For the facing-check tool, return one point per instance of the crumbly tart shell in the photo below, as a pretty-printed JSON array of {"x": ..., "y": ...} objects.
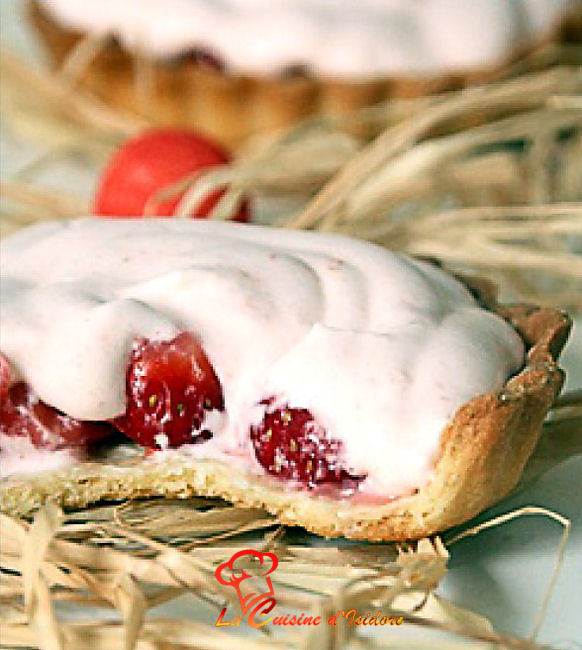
[
  {"x": 232, "y": 108},
  {"x": 483, "y": 451}
]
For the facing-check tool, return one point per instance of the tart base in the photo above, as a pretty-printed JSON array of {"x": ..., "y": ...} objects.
[
  {"x": 482, "y": 454},
  {"x": 231, "y": 108}
]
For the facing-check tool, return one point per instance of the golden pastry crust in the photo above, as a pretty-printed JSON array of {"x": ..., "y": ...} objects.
[
  {"x": 482, "y": 454},
  {"x": 231, "y": 108}
]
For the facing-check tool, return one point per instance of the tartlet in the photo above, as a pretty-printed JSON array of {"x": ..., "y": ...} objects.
[
  {"x": 480, "y": 457},
  {"x": 192, "y": 85}
]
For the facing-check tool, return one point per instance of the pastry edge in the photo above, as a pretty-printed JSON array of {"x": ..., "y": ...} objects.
[{"x": 483, "y": 451}]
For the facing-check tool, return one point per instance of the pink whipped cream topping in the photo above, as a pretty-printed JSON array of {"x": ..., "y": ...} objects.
[{"x": 380, "y": 348}]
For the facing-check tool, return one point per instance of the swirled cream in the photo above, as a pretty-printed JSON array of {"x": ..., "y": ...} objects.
[
  {"x": 20, "y": 456},
  {"x": 347, "y": 38},
  {"x": 381, "y": 348}
]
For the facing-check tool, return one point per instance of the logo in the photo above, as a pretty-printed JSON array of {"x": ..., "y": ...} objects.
[
  {"x": 257, "y": 604},
  {"x": 253, "y": 605}
]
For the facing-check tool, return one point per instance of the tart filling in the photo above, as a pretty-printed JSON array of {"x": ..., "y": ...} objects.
[{"x": 319, "y": 360}]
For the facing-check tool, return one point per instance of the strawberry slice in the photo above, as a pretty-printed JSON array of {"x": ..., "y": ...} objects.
[
  {"x": 291, "y": 445},
  {"x": 170, "y": 387},
  {"x": 22, "y": 413}
]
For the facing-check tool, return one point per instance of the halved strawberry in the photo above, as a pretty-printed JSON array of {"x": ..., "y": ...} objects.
[
  {"x": 170, "y": 387},
  {"x": 22, "y": 413},
  {"x": 291, "y": 445}
]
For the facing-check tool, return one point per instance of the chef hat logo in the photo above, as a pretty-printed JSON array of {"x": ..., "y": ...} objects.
[{"x": 232, "y": 575}]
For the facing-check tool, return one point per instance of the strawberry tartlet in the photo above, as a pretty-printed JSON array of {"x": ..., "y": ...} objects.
[
  {"x": 236, "y": 68},
  {"x": 306, "y": 365}
]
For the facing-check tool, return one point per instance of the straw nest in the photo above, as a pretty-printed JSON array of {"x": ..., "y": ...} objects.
[
  {"x": 116, "y": 558},
  {"x": 487, "y": 179}
]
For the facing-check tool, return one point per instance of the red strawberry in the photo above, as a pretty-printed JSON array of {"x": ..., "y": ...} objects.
[
  {"x": 5, "y": 378},
  {"x": 170, "y": 385},
  {"x": 153, "y": 161},
  {"x": 23, "y": 414},
  {"x": 290, "y": 444}
]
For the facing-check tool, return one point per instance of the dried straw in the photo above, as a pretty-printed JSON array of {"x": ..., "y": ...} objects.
[
  {"x": 88, "y": 560},
  {"x": 488, "y": 178}
]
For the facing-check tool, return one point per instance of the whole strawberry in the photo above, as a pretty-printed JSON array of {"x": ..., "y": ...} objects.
[{"x": 153, "y": 161}]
